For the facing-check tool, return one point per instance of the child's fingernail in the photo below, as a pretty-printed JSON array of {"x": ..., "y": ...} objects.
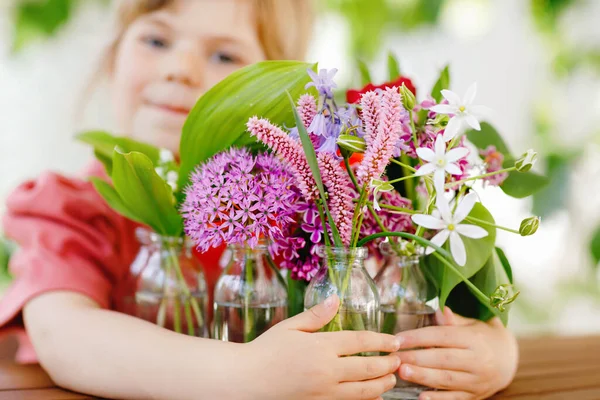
[
  {"x": 328, "y": 302},
  {"x": 398, "y": 342}
]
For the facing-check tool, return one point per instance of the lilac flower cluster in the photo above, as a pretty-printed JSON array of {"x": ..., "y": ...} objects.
[{"x": 237, "y": 198}]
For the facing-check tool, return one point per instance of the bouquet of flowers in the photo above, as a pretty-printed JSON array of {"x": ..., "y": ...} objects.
[{"x": 330, "y": 179}]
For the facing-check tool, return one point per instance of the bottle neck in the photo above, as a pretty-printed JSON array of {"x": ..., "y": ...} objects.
[{"x": 342, "y": 258}]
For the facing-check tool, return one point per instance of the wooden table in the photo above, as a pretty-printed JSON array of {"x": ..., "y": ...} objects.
[{"x": 550, "y": 368}]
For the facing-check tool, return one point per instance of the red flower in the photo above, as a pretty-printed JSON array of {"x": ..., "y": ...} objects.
[{"x": 353, "y": 95}]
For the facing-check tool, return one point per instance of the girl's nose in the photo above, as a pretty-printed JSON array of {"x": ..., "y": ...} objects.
[{"x": 185, "y": 67}]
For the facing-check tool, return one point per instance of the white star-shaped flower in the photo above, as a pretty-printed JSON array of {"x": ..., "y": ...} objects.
[
  {"x": 463, "y": 110},
  {"x": 449, "y": 226},
  {"x": 439, "y": 162}
]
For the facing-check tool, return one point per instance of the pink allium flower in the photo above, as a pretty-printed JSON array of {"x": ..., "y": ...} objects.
[
  {"x": 236, "y": 198},
  {"x": 290, "y": 150}
]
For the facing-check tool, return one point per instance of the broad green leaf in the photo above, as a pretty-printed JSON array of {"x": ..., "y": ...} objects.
[
  {"x": 478, "y": 252},
  {"x": 365, "y": 75},
  {"x": 487, "y": 279},
  {"x": 219, "y": 118},
  {"x": 104, "y": 145},
  {"x": 518, "y": 184},
  {"x": 144, "y": 193},
  {"x": 553, "y": 196},
  {"x": 311, "y": 157},
  {"x": 595, "y": 247},
  {"x": 443, "y": 82},
  {"x": 393, "y": 67},
  {"x": 110, "y": 195}
]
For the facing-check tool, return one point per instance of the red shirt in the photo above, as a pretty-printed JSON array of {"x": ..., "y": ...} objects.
[{"x": 68, "y": 239}]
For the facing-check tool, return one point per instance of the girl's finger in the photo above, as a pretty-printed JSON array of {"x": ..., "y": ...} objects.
[
  {"x": 364, "y": 368},
  {"x": 437, "y": 378},
  {"x": 449, "y": 359},
  {"x": 347, "y": 343},
  {"x": 435, "y": 336},
  {"x": 365, "y": 390},
  {"x": 446, "y": 396}
]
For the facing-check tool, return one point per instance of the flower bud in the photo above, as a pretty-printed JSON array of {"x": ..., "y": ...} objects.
[
  {"x": 165, "y": 156},
  {"x": 529, "y": 226},
  {"x": 408, "y": 98},
  {"x": 351, "y": 143},
  {"x": 526, "y": 161},
  {"x": 501, "y": 297}
]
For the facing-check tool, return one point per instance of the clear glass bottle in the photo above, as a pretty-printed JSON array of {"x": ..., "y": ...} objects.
[
  {"x": 166, "y": 285},
  {"x": 250, "y": 295},
  {"x": 403, "y": 291},
  {"x": 343, "y": 273}
]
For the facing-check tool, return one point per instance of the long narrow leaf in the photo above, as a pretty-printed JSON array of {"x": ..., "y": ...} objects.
[
  {"x": 311, "y": 157},
  {"x": 393, "y": 67},
  {"x": 365, "y": 75}
]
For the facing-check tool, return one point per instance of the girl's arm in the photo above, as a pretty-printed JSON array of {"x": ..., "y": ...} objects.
[{"x": 105, "y": 353}]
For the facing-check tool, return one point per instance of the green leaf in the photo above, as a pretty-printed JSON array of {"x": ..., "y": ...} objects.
[
  {"x": 487, "y": 279},
  {"x": 595, "y": 247},
  {"x": 478, "y": 252},
  {"x": 218, "y": 120},
  {"x": 144, "y": 193},
  {"x": 553, "y": 197},
  {"x": 110, "y": 195},
  {"x": 104, "y": 145},
  {"x": 311, "y": 157},
  {"x": 39, "y": 19},
  {"x": 365, "y": 75},
  {"x": 6, "y": 249},
  {"x": 505, "y": 264},
  {"x": 442, "y": 83},
  {"x": 518, "y": 184},
  {"x": 296, "y": 290},
  {"x": 393, "y": 67}
]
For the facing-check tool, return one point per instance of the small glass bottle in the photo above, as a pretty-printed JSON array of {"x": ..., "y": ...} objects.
[
  {"x": 166, "y": 285},
  {"x": 343, "y": 272},
  {"x": 403, "y": 291},
  {"x": 250, "y": 295}
]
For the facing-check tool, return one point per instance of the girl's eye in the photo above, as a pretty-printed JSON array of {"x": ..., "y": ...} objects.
[
  {"x": 223, "y": 58},
  {"x": 155, "y": 42}
]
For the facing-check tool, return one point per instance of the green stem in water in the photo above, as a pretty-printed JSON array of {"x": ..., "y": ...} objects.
[
  {"x": 472, "y": 178},
  {"x": 249, "y": 328},
  {"x": 483, "y": 222},
  {"x": 441, "y": 255},
  {"x": 186, "y": 291}
]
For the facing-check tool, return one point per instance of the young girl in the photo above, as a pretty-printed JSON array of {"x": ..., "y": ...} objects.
[{"x": 74, "y": 250}]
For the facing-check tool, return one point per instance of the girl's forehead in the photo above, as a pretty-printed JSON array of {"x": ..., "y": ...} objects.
[{"x": 232, "y": 19}]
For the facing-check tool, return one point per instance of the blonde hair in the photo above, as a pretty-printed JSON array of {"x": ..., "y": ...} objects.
[{"x": 284, "y": 26}]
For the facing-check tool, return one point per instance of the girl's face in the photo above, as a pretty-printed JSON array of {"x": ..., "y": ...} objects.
[{"x": 168, "y": 58}]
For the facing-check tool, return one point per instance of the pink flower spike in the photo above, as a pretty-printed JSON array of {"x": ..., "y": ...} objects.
[
  {"x": 287, "y": 148},
  {"x": 307, "y": 109},
  {"x": 340, "y": 203}
]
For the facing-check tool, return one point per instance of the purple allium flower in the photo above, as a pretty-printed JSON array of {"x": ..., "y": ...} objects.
[
  {"x": 323, "y": 82},
  {"x": 236, "y": 198}
]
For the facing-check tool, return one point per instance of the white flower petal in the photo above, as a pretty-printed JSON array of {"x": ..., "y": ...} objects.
[
  {"x": 452, "y": 97},
  {"x": 444, "y": 208},
  {"x": 439, "y": 179},
  {"x": 464, "y": 207},
  {"x": 472, "y": 121},
  {"x": 452, "y": 129},
  {"x": 425, "y": 154},
  {"x": 428, "y": 221},
  {"x": 440, "y": 146},
  {"x": 425, "y": 169},
  {"x": 444, "y": 109},
  {"x": 471, "y": 231},
  {"x": 457, "y": 248},
  {"x": 470, "y": 95},
  {"x": 438, "y": 240},
  {"x": 456, "y": 154},
  {"x": 453, "y": 169}
]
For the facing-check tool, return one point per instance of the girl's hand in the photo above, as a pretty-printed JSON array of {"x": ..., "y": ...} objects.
[
  {"x": 289, "y": 362},
  {"x": 466, "y": 358}
]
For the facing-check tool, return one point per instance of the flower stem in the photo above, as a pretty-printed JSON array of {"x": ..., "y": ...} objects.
[
  {"x": 249, "y": 327},
  {"x": 472, "y": 178},
  {"x": 402, "y": 164},
  {"x": 483, "y": 222},
  {"x": 186, "y": 291},
  {"x": 440, "y": 254},
  {"x": 403, "y": 178}
]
